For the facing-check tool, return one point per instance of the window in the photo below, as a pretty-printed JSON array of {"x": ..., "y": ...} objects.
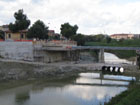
[
  {"x": 21, "y": 36},
  {"x": 9, "y": 36}
]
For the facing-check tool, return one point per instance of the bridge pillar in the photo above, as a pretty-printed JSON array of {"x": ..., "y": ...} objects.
[
  {"x": 73, "y": 55},
  {"x": 138, "y": 58},
  {"x": 101, "y": 56}
]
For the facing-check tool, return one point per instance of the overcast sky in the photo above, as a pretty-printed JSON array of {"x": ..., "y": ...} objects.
[{"x": 92, "y": 16}]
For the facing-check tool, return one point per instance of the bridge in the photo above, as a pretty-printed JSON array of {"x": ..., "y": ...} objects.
[
  {"x": 66, "y": 48},
  {"x": 97, "y": 84},
  {"x": 84, "y": 48},
  {"x": 104, "y": 47}
]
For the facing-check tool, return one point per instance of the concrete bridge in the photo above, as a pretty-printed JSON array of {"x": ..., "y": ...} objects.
[
  {"x": 54, "y": 48},
  {"x": 102, "y": 48},
  {"x": 87, "y": 48}
]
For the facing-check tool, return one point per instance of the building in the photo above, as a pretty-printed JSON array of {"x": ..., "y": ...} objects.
[
  {"x": 137, "y": 36},
  {"x": 51, "y": 33},
  {"x": 20, "y": 35},
  {"x": 53, "y": 36},
  {"x": 122, "y": 36},
  {"x": 1, "y": 28}
]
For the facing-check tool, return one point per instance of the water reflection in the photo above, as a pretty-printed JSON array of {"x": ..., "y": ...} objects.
[
  {"x": 112, "y": 58},
  {"x": 83, "y": 89},
  {"x": 22, "y": 98}
]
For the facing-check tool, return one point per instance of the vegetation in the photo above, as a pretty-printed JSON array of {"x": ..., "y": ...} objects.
[
  {"x": 123, "y": 53},
  {"x": 120, "y": 43},
  {"x": 128, "y": 97},
  {"x": 12, "y": 84},
  {"x": 68, "y": 30},
  {"x": 56, "y": 37},
  {"x": 80, "y": 39},
  {"x": 21, "y": 22},
  {"x": 38, "y": 30},
  {"x": 1, "y": 34}
]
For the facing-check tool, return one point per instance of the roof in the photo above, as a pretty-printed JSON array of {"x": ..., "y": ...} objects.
[
  {"x": 5, "y": 26},
  {"x": 121, "y": 34},
  {"x": 51, "y": 31},
  {"x": 21, "y": 31}
]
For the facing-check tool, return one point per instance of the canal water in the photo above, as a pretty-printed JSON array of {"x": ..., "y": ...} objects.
[
  {"x": 93, "y": 88},
  {"x": 82, "y": 89},
  {"x": 112, "y": 58}
]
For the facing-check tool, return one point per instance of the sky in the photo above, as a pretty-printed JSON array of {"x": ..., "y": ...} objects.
[{"x": 91, "y": 16}]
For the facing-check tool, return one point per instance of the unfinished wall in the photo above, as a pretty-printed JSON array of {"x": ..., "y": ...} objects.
[
  {"x": 16, "y": 50},
  {"x": 87, "y": 56},
  {"x": 33, "y": 52},
  {"x": 49, "y": 57}
]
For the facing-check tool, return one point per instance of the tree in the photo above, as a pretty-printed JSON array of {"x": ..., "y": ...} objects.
[
  {"x": 68, "y": 30},
  {"x": 21, "y": 22},
  {"x": 80, "y": 39},
  {"x": 38, "y": 30},
  {"x": 1, "y": 34},
  {"x": 56, "y": 37},
  {"x": 99, "y": 37},
  {"x": 108, "y": 39}
]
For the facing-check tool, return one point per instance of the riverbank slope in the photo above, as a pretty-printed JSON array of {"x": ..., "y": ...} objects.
[
  {"x": 128, "y": 97},
  {"x": 24, "y": 70}
]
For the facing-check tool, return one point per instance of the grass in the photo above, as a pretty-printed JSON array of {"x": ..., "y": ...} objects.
[
  {"x": 124, "y": 43},
  {"x": 128, "y": 97},
  {"x": 123, "y": 54},
  {"x": 12, "y": 84}
]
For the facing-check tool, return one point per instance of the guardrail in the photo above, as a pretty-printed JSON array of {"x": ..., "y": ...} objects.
[{"x": 105, "y": 47}]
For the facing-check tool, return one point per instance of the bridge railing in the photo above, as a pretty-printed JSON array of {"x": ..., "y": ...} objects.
[{"x": 105, "y": 47}]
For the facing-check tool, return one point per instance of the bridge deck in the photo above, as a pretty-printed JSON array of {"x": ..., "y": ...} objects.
[
  {"x": 97, "y": 84},
  {"x": 106, "y": 47},
  {"x": 89, "y": 48}
]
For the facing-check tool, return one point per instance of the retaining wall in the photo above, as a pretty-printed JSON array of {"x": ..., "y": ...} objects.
[
  {"x": 29, "y": 52},
  {"x": 16, "y": 50}
]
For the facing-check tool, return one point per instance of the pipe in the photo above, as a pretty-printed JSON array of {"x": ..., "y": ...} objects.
[{"x": 113, "y": 69}]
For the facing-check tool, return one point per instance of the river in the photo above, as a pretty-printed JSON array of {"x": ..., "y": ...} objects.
[
  {"x": 112, "y": 58},
  {"x": 91, "y": 88},
  {"x": 83, "y": 89}
]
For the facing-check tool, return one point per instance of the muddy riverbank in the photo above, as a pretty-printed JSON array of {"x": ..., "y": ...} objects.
[{"x": 23, "y": 70}]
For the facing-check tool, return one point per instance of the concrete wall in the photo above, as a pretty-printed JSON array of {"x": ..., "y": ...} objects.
[
  {"x": 49, "y": 56},
  {"x": 53, "y": 57},
  {"x": 16, "y": 50},
  {"x": 86, "y": 56},
  {"x": 33, "y": 52}
]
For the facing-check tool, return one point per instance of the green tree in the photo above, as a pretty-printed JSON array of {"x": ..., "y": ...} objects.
[
  {"x": 108, "y": 39},
  {"x": 21, "y": 22},
  {"x": 1, "y": 34},
  {"x": 80, "y": 39},
  {"x": 38, "y": 30},
  {"x": 68, "y": 30},
  {"x": 99, "y": 37}
]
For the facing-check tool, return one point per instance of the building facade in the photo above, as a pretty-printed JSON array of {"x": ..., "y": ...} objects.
[
  {"x": 51, "y": 33},
  {"x": 20, "y": 35},
  {"x": 137, "y": 36},
  {"x": 122, "y": 36}
]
